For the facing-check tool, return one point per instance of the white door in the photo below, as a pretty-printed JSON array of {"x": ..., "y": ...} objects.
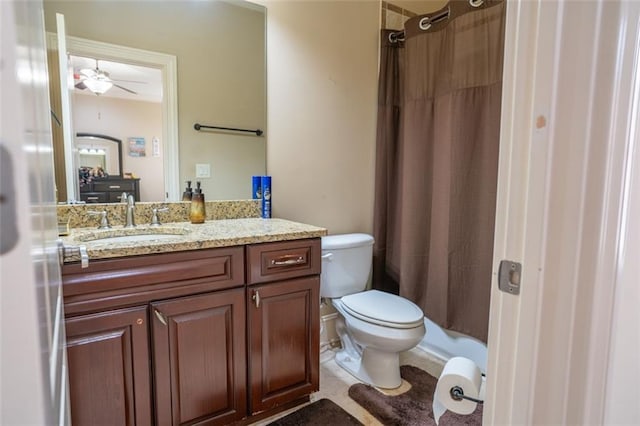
[
  {"x": 33, "y": 368},
  {"x": 569, "y": 140}
]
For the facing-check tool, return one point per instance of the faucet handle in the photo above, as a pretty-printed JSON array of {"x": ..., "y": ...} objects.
[
  {"x": 123, "y": 198},
  {"x": 104, "y": 220},
  {"x": 154, "y": 219}
]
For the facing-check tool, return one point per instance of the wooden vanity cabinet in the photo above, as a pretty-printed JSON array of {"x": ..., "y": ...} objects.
[
  {"x": 283, "y": 315},
  {"x": 198, "y": 337},
  {"x": 128, "y": 368}
]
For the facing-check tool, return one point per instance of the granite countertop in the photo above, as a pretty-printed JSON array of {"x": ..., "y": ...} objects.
[{"x": 180, "y": 236}]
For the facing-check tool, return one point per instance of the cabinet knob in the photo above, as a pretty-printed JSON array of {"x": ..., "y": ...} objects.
[
  {"x": 256, "y": 298},
  {"x": 139, "y": 321}
]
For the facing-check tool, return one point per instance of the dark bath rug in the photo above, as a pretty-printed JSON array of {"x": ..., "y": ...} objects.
[
  {"x": 413, "y": 407},
  {"x": 320, "y": 413}
]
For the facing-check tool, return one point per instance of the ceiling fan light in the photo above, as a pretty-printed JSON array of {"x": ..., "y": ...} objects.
[{"x": 98, "y": 86}]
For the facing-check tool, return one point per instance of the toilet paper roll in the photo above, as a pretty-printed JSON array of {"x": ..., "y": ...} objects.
[{"x": 461, "y": 372}]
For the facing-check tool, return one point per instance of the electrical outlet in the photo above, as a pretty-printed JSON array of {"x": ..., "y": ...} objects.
[{"x": 203, "y": 170}]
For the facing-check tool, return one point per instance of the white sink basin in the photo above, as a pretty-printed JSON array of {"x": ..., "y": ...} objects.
[
  {"x": 136, "y": 238},
  {"x": 132, "y": 235}
]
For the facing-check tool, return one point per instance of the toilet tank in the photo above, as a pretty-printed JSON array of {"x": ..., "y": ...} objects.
[{"x": 346, "y": 264}]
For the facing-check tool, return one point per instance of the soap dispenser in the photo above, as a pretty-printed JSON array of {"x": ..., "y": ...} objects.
[
  {"x": 188, "y": 192},
  {"x": 197, "y": 213}
]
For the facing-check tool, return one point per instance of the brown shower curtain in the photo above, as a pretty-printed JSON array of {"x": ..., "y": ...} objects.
[{"x": 437, "y": 163}]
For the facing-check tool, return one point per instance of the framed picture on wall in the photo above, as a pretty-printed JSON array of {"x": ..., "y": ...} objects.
[{"x": 137, "y": 147}]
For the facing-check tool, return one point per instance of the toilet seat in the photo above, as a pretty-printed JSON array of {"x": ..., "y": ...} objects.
[{"x": 383, "y": 309}]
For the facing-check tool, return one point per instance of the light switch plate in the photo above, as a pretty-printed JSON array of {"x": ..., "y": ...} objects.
[{"x": 203, "y": 170}]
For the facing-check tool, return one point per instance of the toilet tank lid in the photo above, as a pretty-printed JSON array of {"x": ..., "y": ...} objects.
[{"x": 342, "y": 241}]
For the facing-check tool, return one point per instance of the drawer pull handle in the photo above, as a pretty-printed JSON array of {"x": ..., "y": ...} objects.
[
  {"x": 256, "y": 298},
  {"x": 288, "y": 260},
  {"x": 114, "y": 186},
  {"x": 92, "y": 198},
  {"x": 160, "y": 317}
]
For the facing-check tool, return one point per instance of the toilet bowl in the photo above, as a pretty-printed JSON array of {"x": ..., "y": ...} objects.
[{"x": 374, "y": 327}]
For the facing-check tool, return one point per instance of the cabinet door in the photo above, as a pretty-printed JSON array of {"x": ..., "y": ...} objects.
[
  {"x": 108, "y": 358},
  {"x": 284, "y": 341},
  {"x": 200, "y": 358}
]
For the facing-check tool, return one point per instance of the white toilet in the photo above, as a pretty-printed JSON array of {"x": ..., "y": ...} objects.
[{"x": 374, "y": 326}]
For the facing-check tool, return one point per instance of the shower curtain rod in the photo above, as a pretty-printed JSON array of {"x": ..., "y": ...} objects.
[{"x": 427, "y": 21}]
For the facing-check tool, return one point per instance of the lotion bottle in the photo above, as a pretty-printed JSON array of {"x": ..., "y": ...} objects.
[
  {"x": 197, "y": 213},
  {"x": 188, "y": 192}
]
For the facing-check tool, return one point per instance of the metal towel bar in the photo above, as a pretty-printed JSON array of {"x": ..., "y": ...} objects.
[{"x": 197, "y": 126}]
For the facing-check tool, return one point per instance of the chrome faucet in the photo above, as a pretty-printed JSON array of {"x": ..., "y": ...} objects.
[{"x": 131, "y": 205}]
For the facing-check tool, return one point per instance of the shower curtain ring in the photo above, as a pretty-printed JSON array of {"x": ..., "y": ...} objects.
[
  {"x": 476, "y": 3},
  {"x": 396, "y": 37},
  {"x": 425, "y": 23}
]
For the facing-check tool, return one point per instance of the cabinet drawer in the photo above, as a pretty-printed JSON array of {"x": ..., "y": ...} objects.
[
  {"x": 120, "y": 185},
  {"x": 94, "y": 197},
  {"x": 114, "y": 197},
  {"x": 115, "y": 283},
  {"x": 282, "y": 260}
]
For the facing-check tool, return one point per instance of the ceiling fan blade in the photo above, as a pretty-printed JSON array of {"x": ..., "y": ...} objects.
[
  {"x": 125, "y": 89},
  {"x": 130, "y": 81},
  {"x": 88, "y": 72}
]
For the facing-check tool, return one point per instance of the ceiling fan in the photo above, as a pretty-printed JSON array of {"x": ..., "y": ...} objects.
[{"x": 98, "y": 81}]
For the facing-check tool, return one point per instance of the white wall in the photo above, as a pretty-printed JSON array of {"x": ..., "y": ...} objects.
[{"x": 322, "y": 67}]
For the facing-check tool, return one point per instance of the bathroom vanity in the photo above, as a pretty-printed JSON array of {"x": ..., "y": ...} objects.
[{"x": 214, "y": 325}]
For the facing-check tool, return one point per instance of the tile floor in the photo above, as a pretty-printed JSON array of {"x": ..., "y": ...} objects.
[{"x": 335, "y": 382}]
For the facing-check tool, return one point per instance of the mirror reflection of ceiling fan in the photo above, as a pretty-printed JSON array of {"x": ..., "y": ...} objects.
[{"x": 99, "y": 81}]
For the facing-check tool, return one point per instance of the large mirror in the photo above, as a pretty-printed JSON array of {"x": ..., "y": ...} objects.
[{"x": 219, "y": 48}]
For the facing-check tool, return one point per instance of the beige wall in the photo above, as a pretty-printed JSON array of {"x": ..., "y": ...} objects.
[
  {"x": 419, "y": 7},
  {"x": 220, "y": 53},
  {"x": 123, "y": 119},
  {"x": 396, "y": 12},
  {"x": 322, "y": 66}
]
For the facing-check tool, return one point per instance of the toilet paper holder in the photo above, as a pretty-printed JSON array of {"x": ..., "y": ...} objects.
[{"x": 457, "y": 394}]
